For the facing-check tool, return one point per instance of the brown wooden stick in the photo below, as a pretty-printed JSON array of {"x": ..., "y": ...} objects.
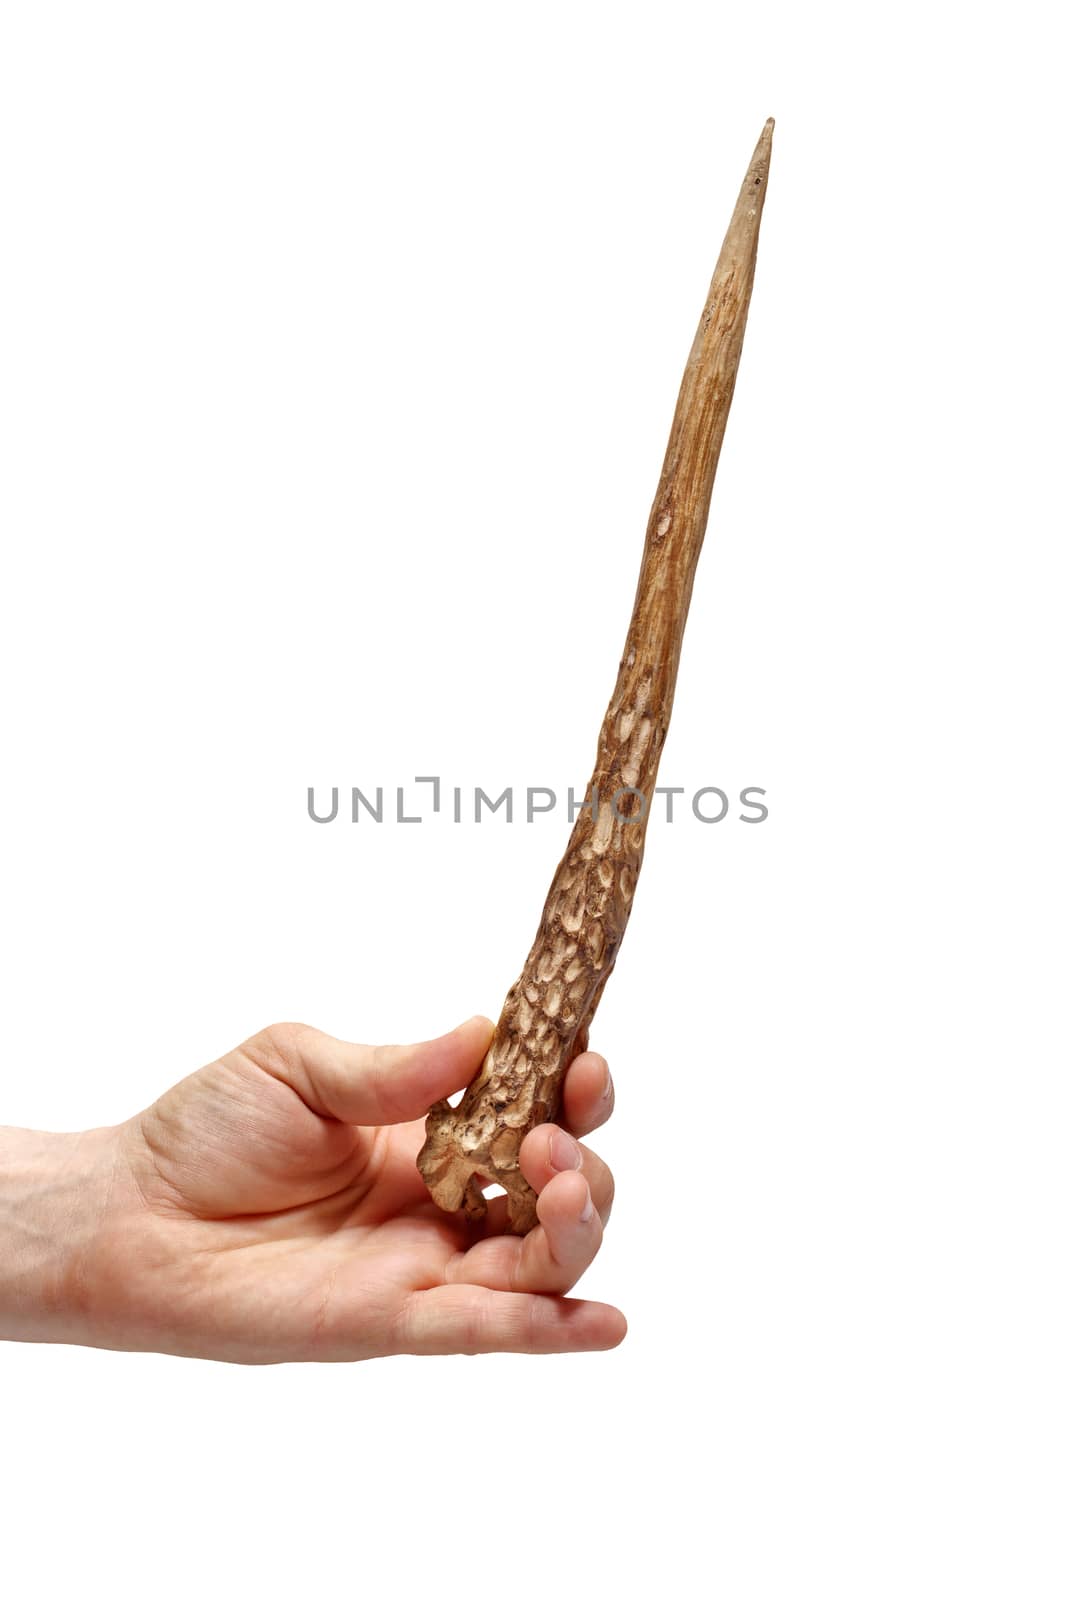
[{"x": 546, "y": 1016}]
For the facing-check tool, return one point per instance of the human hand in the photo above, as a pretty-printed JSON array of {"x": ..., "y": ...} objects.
[{"x": 268, "y": 1208}]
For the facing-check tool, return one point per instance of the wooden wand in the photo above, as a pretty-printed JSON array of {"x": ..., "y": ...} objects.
[{"x": 546, "y": 1016}]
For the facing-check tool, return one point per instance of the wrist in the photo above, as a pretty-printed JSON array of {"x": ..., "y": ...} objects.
[{"x": 54, "y": 1190}]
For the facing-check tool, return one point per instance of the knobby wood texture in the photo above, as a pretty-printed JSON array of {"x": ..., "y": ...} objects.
[{"x": 546, "y": 1016}]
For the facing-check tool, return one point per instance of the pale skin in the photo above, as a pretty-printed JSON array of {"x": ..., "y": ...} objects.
[{"x": 268, "y": 1208}]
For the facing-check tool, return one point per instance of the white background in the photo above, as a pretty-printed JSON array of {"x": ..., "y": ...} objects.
[{"x": 340, "y": 344}]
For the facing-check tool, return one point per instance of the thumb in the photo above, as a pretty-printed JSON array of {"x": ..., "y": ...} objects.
[{"x": 370, "y": 1084}]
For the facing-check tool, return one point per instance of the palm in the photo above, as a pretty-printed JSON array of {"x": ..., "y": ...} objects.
[{"x": 294, "y": 1234}]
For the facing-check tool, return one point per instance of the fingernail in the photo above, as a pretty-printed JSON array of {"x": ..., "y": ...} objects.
[
  {"x": 587, "y": 1210},
  {"x": 563, "y": 1152},
  {"x": 609, "y": 1087}
]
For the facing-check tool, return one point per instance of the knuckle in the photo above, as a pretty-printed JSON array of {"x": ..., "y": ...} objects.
[
  {"x": 279, "y": 1041},
  {"x": 388, "y": 1092}
]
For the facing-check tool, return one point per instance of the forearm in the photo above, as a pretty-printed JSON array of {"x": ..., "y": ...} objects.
[{"x": 54, "y": 1190}]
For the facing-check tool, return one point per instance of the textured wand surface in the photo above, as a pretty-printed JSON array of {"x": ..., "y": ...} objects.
[{"x": 546, "y": 1016}]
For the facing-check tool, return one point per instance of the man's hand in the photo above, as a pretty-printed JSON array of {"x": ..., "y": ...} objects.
[{"x": 268, "y": 1208}]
